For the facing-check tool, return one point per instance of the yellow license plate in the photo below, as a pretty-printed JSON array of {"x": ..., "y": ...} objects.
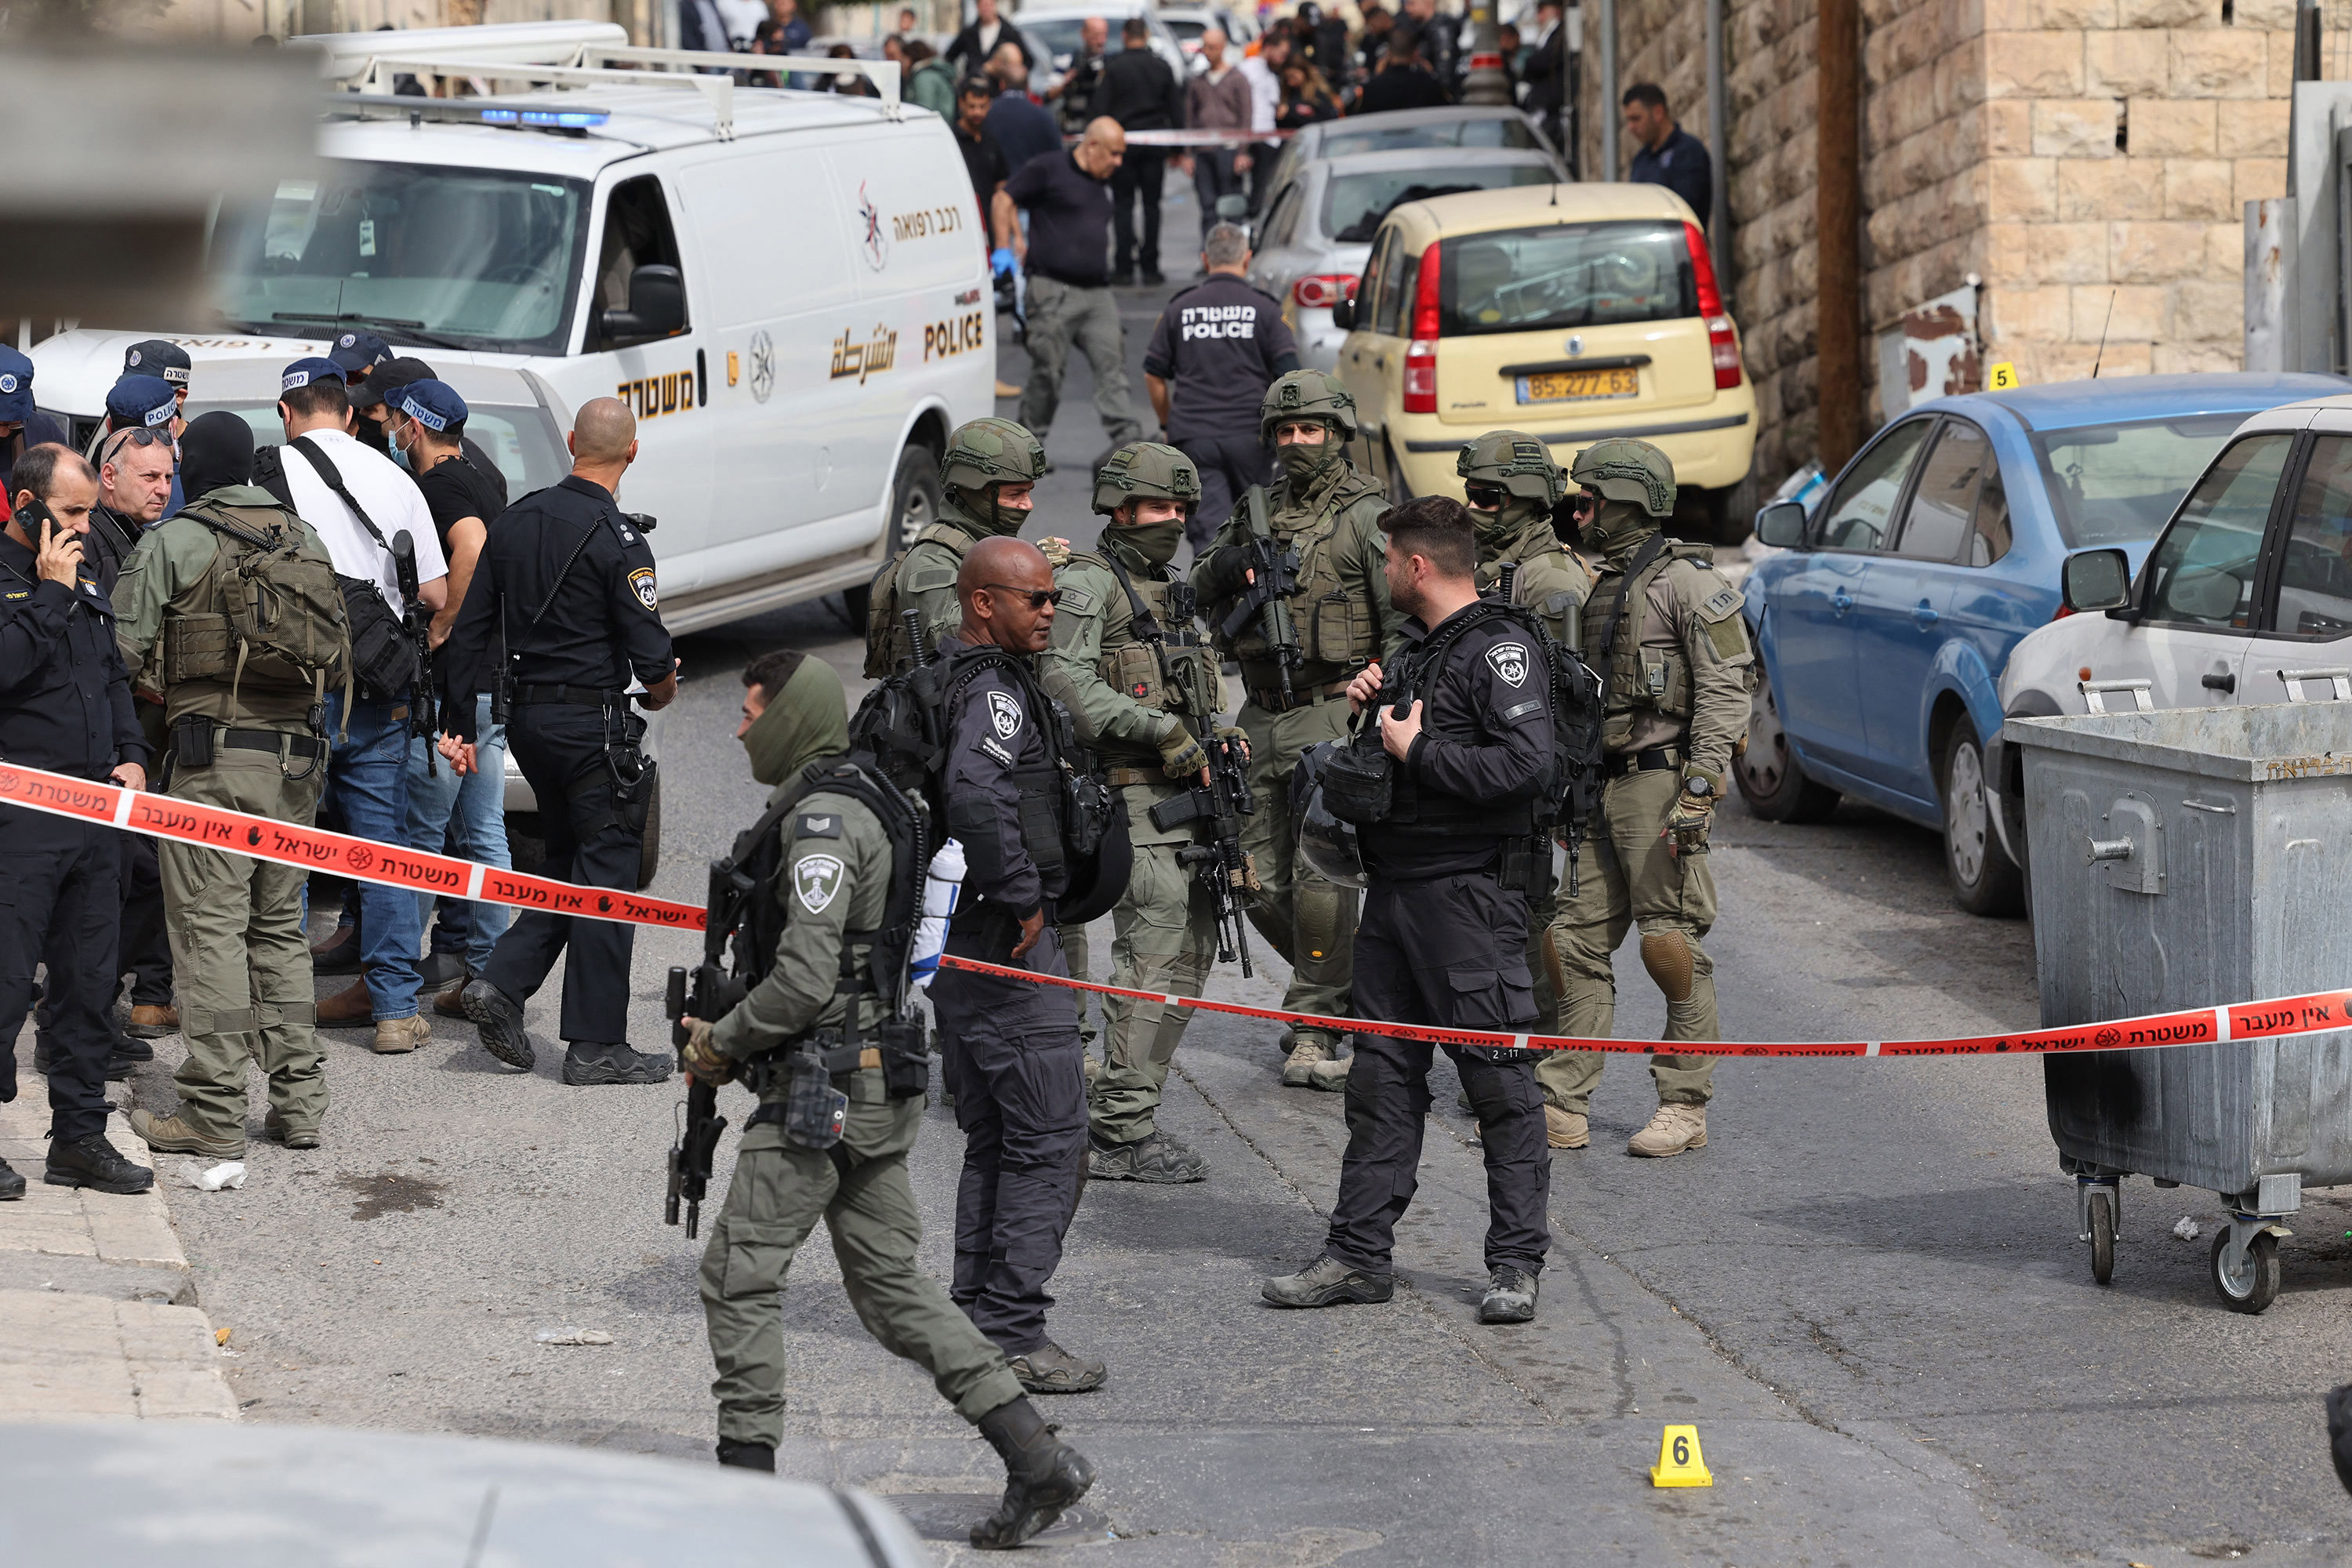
[{"x": 1567, "y": 385}]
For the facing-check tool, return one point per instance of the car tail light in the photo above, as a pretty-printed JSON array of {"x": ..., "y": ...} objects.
[
  {"x": 1321, "y": 291},
  {"x": 1421, "y": 351},
  {"x": 1722, "y": 340}
]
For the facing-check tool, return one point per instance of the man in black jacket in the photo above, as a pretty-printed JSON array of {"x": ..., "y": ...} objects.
[
  {"x": 1401, "y": 81},
  {"x": 1139, "y": 91},
  {"x": 973, "y": 45}
]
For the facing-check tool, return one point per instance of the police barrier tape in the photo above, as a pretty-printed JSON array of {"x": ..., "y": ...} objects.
[
  {"x": 313, "y": 849},
  {"x": 1235, "y": 139},
  {"x": 2315, "y": 1014}
]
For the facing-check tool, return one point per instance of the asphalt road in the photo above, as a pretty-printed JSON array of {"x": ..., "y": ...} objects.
[{"x": 1865, "y": 1292}]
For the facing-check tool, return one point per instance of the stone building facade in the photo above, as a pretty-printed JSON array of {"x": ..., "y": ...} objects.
[{"x": 2086, "y": 161}]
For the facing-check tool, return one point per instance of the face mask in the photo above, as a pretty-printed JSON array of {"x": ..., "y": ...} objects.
[
  {"x": 1304, "y": 467},
  {"x": 1617, "y": 526},
  {"x": 981, "y": 508},
  {"x": 1155, "y": 541}
]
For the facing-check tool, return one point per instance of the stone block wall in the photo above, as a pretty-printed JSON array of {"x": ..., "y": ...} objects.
[{"x": 2079, "y": 156}]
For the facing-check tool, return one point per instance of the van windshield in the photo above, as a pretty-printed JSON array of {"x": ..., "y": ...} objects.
[
  {"x": 449, "y": 258},
  {"x": 1565, "y": 276},
  {"x": 2114, "y": 484}
]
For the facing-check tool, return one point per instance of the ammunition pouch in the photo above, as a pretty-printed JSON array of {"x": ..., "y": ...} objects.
[
  {"x": 905, "y": 1059},
  {"x": 1525, "y": 865},
  {"x": 1359, "y": 782}
]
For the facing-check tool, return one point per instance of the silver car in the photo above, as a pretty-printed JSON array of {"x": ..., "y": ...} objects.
[
  {"x": 1456, "y": 125},
  {"x": 1319, "y": 231}
]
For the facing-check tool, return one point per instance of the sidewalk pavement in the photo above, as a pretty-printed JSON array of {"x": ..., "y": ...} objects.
[{"x": 98, "y": 1314}]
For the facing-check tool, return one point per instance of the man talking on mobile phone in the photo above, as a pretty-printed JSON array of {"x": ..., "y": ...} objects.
[{"x": 65, "y": 707}]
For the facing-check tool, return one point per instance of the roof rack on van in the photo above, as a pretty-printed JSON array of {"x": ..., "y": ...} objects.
[{"x": 560, "y": 55}]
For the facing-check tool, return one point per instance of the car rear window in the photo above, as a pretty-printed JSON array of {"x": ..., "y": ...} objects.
[
  {"x": 1565, "y": 276},
  {"x": 2114, "y": 484},
  {"x": 1353, "y": 204},
  {"x": 1502, "y": 131}
]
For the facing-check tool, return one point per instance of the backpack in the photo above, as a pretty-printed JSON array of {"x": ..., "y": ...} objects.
[
  {"x": 275, "y": 621},
  {"x": 886, "y": 622}
]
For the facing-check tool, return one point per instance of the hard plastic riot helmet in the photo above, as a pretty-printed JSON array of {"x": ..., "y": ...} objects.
[
  {"x": 1307, "y": 394},
  {"x": 1325, "y": 842},
  {"x": 984, "y": 454},
  {"x": 1628, "y": 470},
  {"x": 1149, "y": 471}
]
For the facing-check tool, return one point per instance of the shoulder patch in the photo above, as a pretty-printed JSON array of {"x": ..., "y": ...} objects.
[
  {"x": 1721, "y": 605},
  {"x": 1510, "y": 661},
  {"x": 817, "y": 825},
  {"x": 989, "y": 745},
  {"x": 924, "y": 579},
  {"x": 1004, "y": 714},
  {"x": 816, "y": 880},
  {"x": 641, "y": 583},
  {"x": 1076, "y": 601}
]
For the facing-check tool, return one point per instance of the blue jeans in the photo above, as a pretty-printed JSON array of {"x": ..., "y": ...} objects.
[
  {"x": 466, "y": 817},
  {"x": 367, "y": 780}
]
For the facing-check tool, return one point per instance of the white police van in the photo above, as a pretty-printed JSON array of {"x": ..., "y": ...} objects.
[{"x": 790, "y": 288}]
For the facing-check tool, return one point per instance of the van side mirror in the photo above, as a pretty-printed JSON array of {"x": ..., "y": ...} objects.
[
  {"x": 1782, "y": 525},
  {"x": 1343, "y": 315},
  {"x": 2095, "y": 580},
  {"x": 656, "y": 306}
]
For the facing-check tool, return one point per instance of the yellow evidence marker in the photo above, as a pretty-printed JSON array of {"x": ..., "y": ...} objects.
[
  {"x": 2003, "y": 377},
  {"x": 1679, "y": 1461}
]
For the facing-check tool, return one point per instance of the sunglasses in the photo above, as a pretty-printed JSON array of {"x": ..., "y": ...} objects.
[
  {"x": 1485, "y": 498},
  {"x": 1586, "y": 501},
  {"x": 1038, "y": 598},
  {"x": 137, "y": 435}
]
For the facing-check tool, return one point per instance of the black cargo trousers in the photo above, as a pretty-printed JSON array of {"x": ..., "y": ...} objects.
[
  {"x": 1447, "y": 951},
  {"x": 1010, "y": 1054},
  {"x": 61, "y": 900}
]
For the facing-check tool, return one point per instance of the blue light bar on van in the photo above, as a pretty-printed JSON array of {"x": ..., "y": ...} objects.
[
  {"x": 547, "y": 119},
  {"x": 514, "y": 114}
]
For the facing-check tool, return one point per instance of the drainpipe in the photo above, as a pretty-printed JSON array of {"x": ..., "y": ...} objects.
[
  {"x": 1609, "y": 114},
  {"x": 1718, "y": 136},
  {"x": 1837, "y": 196}
]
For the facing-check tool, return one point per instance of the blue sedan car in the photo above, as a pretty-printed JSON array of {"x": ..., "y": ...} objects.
[{"x": 1883, "y": 625}]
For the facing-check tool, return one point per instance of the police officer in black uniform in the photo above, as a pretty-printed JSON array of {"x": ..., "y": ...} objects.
[
  {"x": 1214, "y": 350},
  {"x": 65, "y": 707},
  {"x": 569, "y": 582},
  {"x": 1009, "y": 1050},
  {"x": 1444, "y": 931}
]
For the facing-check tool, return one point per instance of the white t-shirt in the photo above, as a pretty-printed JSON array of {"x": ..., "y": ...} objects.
[
  {"x": 1266, "y": 92},
  {"x": 394, "y": 503},
  {"x": 742, "y": 18}
]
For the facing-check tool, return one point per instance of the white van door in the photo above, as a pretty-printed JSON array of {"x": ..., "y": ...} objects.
[{"x": 643, "y": 341}]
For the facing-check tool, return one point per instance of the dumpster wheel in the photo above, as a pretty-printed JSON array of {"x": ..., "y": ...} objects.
[
  {"x": 2103, "y": 1236},
  {"x": 2250, "y": 1282}
]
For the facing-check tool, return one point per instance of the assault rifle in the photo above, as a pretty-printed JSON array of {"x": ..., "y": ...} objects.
[
  {"x": 708, "y": 997},
  {"x": 1220, "y": 864},
  {"x": 416, "y": 624},
  {"x": 1268, "y": 597}
]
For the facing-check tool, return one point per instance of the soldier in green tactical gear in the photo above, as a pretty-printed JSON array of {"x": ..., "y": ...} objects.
[
  {"x": 1297, "y": 648},
  {"x": 988, "y": 472},
  {"x": 1514, "y": 489},
  {"x": 1663, "y": 629},
  {"x": 839, "y": 871},
  {"x": 243, "y": 702},
  {"x": 1129, "y": 662}
]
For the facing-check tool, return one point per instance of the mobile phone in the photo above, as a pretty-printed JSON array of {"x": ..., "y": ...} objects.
[{"x": 32, "y": 514}]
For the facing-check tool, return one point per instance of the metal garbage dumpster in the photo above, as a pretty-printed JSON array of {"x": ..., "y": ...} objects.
[{"x": 2190, "y": 857}]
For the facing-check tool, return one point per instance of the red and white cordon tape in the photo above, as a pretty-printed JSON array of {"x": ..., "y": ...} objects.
[
  {"x": 1199, "y": 137},
  {"x": 314, "y": 849},
  {"x": 363, "y": 860}
]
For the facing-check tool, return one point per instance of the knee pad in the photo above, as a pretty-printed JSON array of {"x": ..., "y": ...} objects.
[
  {"x": 1325, "y": 914},
  {"x": 1667, "y": 956}
]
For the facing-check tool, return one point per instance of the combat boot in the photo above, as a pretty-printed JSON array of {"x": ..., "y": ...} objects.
[
  {"x": 394, "y": 1036},
  {"x": 1328, "y": 1282},
  {"x": 1154, "y": 1157},
  {"x": 1677, "y": 1126},
  {"x": 587, "y": 1064},
  {"x": 1566, "y": 1129},
  {"x": 274, "y": 1125},
  {"x": 497, "y": 1019},
  {"x": 1510, "y": 1297},
  {"x": 11, "y": 1185},
  {"x": 1050, "y": 1369},
  {"x": 747, "y": 1456},
  {"x": 1308, "y": 1052},
  {"x": 149, "y": 1022},
  {"x": 172, "y": 1135},
  {"x": 1043, "y": 1476},
  {"x": 91, "y": 1161}
]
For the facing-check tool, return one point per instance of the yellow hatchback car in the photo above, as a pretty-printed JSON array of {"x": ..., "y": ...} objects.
[{"x": 1575, "y": 312}]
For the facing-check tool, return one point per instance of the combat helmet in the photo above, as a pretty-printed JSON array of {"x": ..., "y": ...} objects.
[
  {"x": 992, "y": 451},
  {"x": 1307, "y": 394},
  {"x": 1149, "y": 471},
  {"x": 1519, "y": 462},
  {"x": 1627, "y": 471}
]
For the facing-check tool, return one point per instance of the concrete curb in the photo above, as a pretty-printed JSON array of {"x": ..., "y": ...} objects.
[{"x": 98, "y": 1314}]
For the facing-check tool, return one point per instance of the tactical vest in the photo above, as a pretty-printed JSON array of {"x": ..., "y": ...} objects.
[
  {"x": 263, "y": 636},
  {"x": 1642, "y": 679},
  {"x": 1534, "y": 577},
  {"x": 1161, "y": 663},
  {"x": 1337, "y": 631},
  {"x": 886, "y": 630}
]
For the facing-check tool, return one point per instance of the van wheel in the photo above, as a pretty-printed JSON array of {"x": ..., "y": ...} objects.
[
  {"x": 1985, "y": 880},
  {"x": 1771, "y": 779},
  {"x": 916, "y": 499}
]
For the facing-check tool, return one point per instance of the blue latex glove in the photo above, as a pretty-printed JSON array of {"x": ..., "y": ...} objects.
[{"x": 1000, "y": 261}]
